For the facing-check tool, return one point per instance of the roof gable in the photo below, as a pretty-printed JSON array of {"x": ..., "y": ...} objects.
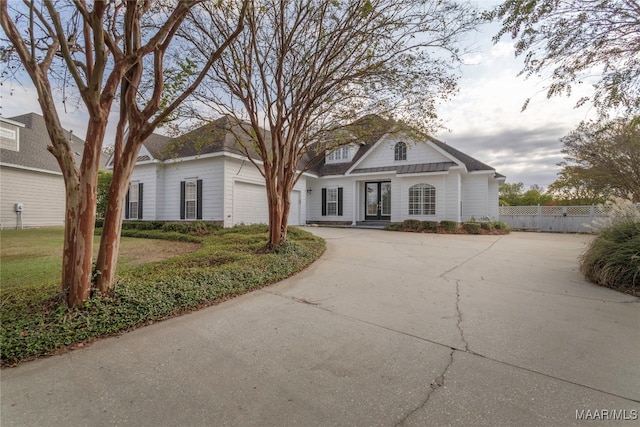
[
  {"x": 425, "y": 154},
  {"x": 383, "y": 153}
]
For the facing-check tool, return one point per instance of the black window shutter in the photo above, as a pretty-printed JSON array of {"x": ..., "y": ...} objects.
[
  {"x": 339, "y": 200},
  {"x": 199, "y": 199},
  {"x": 182, "y": 195},
  {"x": 140, "y": 201},
  {"x": 324, "y": 202},
  {"x": 126, "y": 206}
]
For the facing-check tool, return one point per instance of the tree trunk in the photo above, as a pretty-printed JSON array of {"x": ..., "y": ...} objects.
[
  {"x": 81, "y": 197},
  {"x": 286, "y": 207},
  {"x": 107, "y": 260},
  {"x": 78, "y": 244},
  {"x": 274, "y": 200}
]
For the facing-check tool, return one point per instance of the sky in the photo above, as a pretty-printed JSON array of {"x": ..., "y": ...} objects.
[{"x": 484, "y": 119}]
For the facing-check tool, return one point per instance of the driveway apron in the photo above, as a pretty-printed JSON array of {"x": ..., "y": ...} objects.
[{"x": 385, "y": 329}]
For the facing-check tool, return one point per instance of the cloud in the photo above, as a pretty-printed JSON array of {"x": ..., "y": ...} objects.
[{"x": 523, "y": 155}]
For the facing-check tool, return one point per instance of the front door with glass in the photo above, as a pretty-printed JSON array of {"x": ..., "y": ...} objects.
[{"x": 378, "y": 201}]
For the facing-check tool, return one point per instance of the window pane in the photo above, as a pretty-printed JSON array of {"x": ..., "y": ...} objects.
[
  {"x": 133, "y": 210},
  {"x": 190, "y": 190},
  {"x": 422, "y": 200},
  {"x": 332, "y": 201},
  {"x": 191, "y": 209},
  {"x": 401, "y": 151}
]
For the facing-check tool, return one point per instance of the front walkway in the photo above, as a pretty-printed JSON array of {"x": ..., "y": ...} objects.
[{"x": 385, "y": 329}]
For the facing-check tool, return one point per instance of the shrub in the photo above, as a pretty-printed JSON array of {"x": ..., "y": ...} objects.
[
  {"x": 394, "y": 226},
  {"x": 141, "y": 225},
  {"x": 486, "y": 226},
  {"x": 613, "y": 258},
  {"x": 412, "y": 224},
  {"x": 471, "y": 227},
  {"x": 198, "y": 228},
  {"x": 430, "y": 225},
  {"x": 449, "y": 226},
  {"x": 500, "y": 225}
]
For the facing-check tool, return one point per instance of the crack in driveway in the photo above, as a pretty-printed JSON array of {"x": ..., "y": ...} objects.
[
  {"x": 444, "y": 274},
  {"x": 439, "y": 380}
]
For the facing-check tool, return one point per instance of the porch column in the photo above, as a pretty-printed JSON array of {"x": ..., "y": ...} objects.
[{"x": 354, "y": 206}]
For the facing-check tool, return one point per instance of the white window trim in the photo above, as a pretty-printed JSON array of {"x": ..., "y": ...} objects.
[
  {"x": 133, "y": 213},
  {"x": 395, "y": 151},
  {"x": 341, "y": 154},
  {"x": 194, "y": 200},
  {"x": 421, "y": 202},
  {"x": 332, "y": 201}
]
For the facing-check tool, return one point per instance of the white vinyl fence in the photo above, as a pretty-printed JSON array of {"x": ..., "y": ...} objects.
[{"x": 555, "y": 219}]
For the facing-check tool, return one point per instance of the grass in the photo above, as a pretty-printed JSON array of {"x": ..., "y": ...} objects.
[
  {"x": 33, "y": 257},
  {"x": 229, "y": 262}
]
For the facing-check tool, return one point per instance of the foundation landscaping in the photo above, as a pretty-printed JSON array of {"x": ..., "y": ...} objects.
[{"x": 450, "y": 227}]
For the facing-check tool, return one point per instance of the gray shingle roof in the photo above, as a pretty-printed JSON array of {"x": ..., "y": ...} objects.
[
  {"x": 33, "y": 143},
  {"x": 382, "y": 127},
  {"x": 222, "y": 135}
]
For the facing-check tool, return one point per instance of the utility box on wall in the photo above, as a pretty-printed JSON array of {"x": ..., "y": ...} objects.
[{"x": 18, "y": 207}]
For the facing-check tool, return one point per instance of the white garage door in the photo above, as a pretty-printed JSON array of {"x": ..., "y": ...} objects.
[{"x": 250, "y": 205}]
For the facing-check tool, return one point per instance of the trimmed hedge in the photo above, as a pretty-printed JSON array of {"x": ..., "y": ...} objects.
[
  {"x": 449, "y": 226},
  {"x": 472, "y": 227},
  {"x": 430, "y": 226}
]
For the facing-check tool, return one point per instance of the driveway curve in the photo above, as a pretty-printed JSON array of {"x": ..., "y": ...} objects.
[{"x": 386, "y": 329}]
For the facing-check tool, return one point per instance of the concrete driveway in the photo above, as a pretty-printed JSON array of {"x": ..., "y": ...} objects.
[{"x": 385, "y": 329}]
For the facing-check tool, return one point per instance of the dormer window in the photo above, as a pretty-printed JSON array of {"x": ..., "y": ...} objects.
[
  {"x": 340, "y": 154},
  {"x": 9, "y": 137},
  {"x": 400, "y": 151}
]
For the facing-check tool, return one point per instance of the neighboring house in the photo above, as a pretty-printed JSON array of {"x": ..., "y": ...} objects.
[
  {"x": 382, "y": 175},
  {"x": 30, "y": 177}
]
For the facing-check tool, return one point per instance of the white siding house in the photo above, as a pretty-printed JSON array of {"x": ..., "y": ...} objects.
[
  {"x": 386, "y": 175},
  {"x": 29, "y": 174}
]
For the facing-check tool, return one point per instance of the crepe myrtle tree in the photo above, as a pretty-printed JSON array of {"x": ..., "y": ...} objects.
[
  {"x": 574, "y": 41},
  {"x": 302, "y": 70},
  {"x": 104, "y": 52}
]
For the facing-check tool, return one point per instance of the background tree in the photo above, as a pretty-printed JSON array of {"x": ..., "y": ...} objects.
[
  {"x": 602, "y": 159},
  {"x": 302, "y": 70},
  {"x": 574, "y": 40},
  {"x": 513, "y": 194},
  {"x": 104, "y": 182},
  {"x": 101, "y": 49}
]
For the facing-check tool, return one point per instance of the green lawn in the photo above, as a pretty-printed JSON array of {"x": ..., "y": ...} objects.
[
  {"x": 33, "y": 257},
  {"x": 30, "y": 257},
  {"x": 218, "y": 264}
]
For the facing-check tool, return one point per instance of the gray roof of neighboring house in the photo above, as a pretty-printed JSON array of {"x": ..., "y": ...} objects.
[{"x": 33, "y": 142}]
